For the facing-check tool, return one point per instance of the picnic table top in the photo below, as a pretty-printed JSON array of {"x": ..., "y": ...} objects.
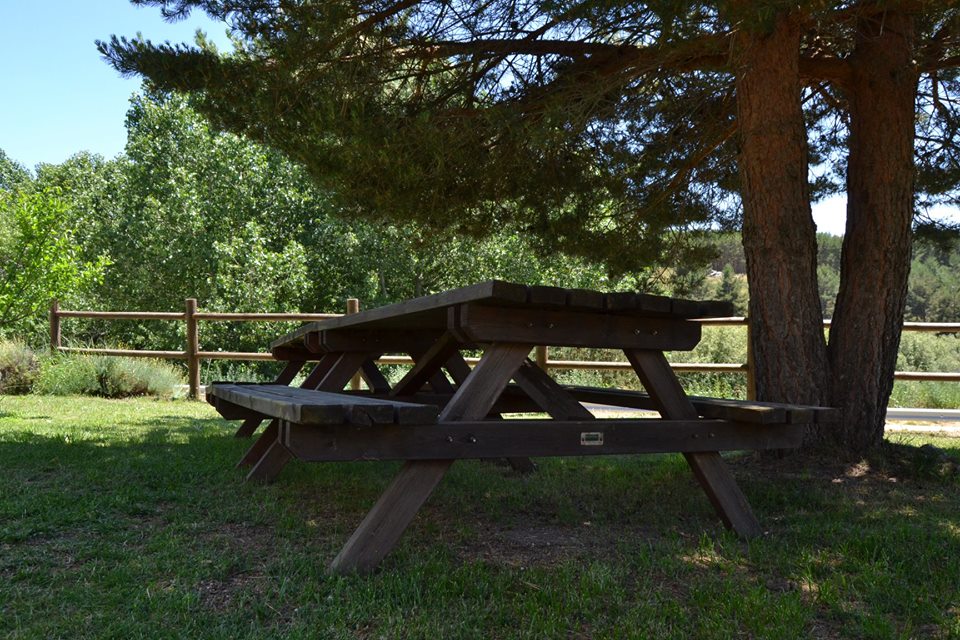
[{"x": 430, "y": 312}]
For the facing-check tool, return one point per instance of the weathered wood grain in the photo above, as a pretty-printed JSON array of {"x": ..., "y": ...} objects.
[
  {"x": 428, "y": 312},
  {"x": 480, "y": 323},
  {"x": 533, "y": 438},
  {"x": 286, "y": 376},
  {"x": 304, "y": 406}
]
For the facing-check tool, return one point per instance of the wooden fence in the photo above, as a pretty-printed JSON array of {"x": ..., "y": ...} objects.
[{"x": 193, "y": 355}]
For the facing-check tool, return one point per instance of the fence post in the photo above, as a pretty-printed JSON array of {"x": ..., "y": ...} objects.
[
  {"x": 751, "y": 368},
  {"x": 541, "y": 355},
  {"x": 353, "y": 306},
  {"x": 193, "y": 348},
  {"x": 54, "y": 326}
]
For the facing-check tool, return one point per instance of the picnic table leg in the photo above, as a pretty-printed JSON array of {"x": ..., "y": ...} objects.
[
  {"x": 273, "y": 460},
  {"x": 260, "y": 446},
  {"x": 709, "y": 468},
  {"x": 398, "y": 504},
  {"x": 459, "y": 370},
  {"x": 268, "y": 455},
  {"x": 248, "y": 426},
  {"x": 374, "y": 378},
  {"x": 549, "y": 395}
]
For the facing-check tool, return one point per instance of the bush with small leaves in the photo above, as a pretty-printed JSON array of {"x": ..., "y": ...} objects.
[
  {"x": 19, "y": 368},
  {"x": 109, "y": 377}
]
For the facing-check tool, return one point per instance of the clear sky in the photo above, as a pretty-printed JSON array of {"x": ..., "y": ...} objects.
[{"x": 58, "y": 96}]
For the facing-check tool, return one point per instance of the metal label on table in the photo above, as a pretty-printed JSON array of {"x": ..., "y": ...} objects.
[{"x": 591, "y": 438}]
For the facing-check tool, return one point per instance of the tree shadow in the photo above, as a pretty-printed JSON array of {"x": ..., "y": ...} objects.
[{"x": 853, "y": 532}]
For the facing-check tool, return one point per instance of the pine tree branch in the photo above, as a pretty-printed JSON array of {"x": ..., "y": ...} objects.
[{"x": 930, "y": 66}]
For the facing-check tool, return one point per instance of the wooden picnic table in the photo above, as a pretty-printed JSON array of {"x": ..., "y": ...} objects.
[{"x": 443, "y": 410}]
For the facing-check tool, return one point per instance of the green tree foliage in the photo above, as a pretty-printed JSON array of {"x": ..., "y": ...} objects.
[
  {"x": 934, "y": 283},
  {"x": 188, "y": 211},
  {"x": 733, "y": 288},
  {"x": 13, "y": 175},
  {"x": 39, "y": 257}
]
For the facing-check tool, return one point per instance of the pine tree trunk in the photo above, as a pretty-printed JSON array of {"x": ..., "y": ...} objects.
[
  {"x": 779, "y": 235},
  {"x": 865, "y": 333}
]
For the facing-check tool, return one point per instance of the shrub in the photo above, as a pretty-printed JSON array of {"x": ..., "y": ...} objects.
[
  {"x": 108, "y": 376},
  {"x": 19, "y": 368}
]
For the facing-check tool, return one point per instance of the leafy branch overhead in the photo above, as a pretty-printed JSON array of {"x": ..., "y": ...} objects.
[{"x": 580, "y": 121}]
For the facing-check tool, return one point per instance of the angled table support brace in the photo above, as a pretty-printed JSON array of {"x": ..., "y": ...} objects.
[{"x": 398, "y": 504}]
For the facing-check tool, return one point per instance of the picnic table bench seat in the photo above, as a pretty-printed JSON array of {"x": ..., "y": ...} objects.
[
  {"x": 514, "y": 400},
  {"x": 718, "y": 408},
  {"x": 310, "y": 407}
]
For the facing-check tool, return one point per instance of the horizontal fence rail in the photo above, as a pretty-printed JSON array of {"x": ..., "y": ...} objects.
[{"x": 193, "y": 355}]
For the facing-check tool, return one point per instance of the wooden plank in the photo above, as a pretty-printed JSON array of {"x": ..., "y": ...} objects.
[
  {"x": 714, "y": 309},
  {"x": 269, "y": 465},
  {"x": 708, "y": 467},
  {"x": 549, "y": 395},
  {"x": 326, "y": 363},
  {"x": 480, "y": 391},
  {"x": 585, "y": 299},
  {"x": 643, "y": 303},
  {"x": 383, "y": 340},
  {"x": 513, "y": 400},
  {"x": 374, "y": 378},
  {"x": 293, "y": 353},
  {"x": 723, "y": 408},
  {"x": 536, "y": 438},
  {"x": 343, "y": 369},
  {"x": 477, "y": 395},
  {"x": 704, "y": 406},
  {"x": 684, "y": 308},
  {"x": 402, "y": 412},
  {"x": 390, "y": 516},
  {"x": 261, "y": 444},
  {"x": 427, "y": 367},
  {"x": 418, "y": 313},
  {"x": 479, "y": 323},
  {"x": 306, "y": 406},
  {"x": 399, "y": 503},
  {"x": 230, "y": 411},
  {"x": 547, "y": 296},
  {"x": 320, "y": 370},
  {"x": 458, "y": 368},
  {"x": 286, "y": 376}
]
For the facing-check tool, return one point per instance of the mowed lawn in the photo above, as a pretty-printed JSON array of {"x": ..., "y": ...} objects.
[{"x": 128, "y": 519}]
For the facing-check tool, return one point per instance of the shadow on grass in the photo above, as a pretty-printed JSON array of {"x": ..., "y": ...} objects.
[{"x": 859, "y": 546}]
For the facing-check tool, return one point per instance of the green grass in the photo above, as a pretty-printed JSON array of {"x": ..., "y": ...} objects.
[{"x": 127, "y": 519}]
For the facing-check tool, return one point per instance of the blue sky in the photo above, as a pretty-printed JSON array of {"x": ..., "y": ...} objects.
[{"x": 58, "y": 97}]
